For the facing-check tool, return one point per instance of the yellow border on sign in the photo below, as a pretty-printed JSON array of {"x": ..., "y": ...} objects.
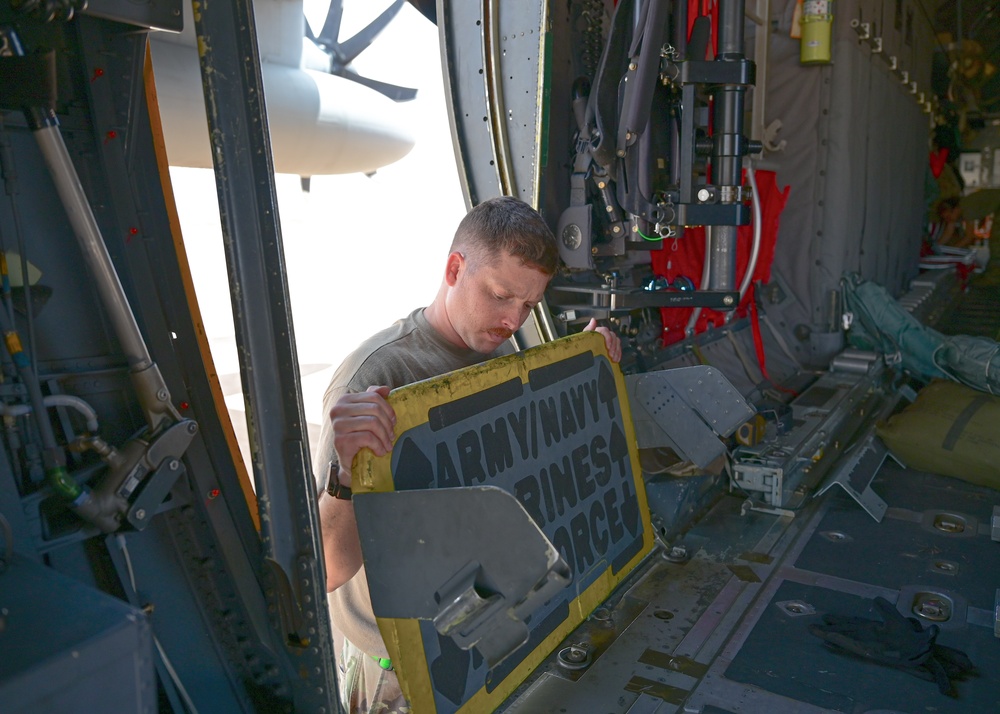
[{"x": 373, "y": 474}]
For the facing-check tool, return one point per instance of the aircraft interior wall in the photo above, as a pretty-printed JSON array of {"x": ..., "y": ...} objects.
[
  {"x": 186, "y": 557},
  {"x": 855, "y": 159}
]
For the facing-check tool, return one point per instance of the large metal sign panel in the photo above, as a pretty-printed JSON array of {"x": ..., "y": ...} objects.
[{"x": 550, "y": 426}]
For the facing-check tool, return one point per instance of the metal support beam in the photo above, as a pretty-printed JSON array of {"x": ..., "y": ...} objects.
[
  {"x": 728, "y": 143},
  {"x": 290, "y": 531}
]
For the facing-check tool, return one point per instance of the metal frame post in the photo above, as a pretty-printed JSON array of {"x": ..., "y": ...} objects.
[{"x": 290, "y": 529}]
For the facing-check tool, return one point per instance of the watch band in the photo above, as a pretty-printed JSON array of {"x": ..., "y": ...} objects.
[{"x": 333, "y": 485}]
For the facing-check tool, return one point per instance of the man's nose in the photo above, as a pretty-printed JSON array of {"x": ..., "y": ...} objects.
[{"x": 512, "y": 319}]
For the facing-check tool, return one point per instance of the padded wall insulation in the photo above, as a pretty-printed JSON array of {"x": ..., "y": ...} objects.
[{"x": 855, "y": 158}]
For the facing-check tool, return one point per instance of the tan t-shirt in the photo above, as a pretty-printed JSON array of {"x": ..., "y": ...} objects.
[{"x": 408, "y": 351}]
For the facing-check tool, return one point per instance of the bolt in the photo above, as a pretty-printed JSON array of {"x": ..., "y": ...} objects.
[
  {"x": 601, "y": 185},
  {"x": 609, "y": 208},
  {"x": 620, "y": 153},
  {"x": 601, "y": 614},
  {"x": 140, "y": 514},
  {"x": 616, "y": 229},
  {"x": 192, "y": 428},
  {"x": 727, "y": 300},
  {"x": 174, "y": 465},
  {"x": 593, "y": 250},
  {"x": 678, "y": 554},
  {"x": 704, "y": 194},
  {"x": 631, "y": 67}
]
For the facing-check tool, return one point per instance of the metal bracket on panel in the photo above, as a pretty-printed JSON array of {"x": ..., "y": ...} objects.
[
  {"x": 686, "y": 409},
  {"x": 472, "y": 616},
  {"x": 152, "y": 492},
  {"x": 605, "y": 302},
  {"x": 428, "y": 557},
  {"x": 857, "y": 473}
]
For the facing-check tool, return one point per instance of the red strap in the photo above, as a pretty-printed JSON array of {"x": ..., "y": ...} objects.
[
  {"x": 938, "y": 159},
  {"x": 758, "y": 342}
]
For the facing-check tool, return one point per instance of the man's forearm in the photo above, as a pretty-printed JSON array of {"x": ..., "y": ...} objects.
[{"x": 341, "y": 543}]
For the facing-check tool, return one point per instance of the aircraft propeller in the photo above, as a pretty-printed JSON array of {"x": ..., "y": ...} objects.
[{"x": 343, "y": 53}]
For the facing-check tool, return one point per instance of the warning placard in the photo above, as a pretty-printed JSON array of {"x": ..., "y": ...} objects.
[{"x": 551, "y": 426}]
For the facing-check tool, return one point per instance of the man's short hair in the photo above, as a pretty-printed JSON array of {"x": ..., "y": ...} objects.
[{"x": 507, "y": 225}]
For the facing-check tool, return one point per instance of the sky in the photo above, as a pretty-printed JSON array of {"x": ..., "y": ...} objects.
[{"x": 361, "y": 251}]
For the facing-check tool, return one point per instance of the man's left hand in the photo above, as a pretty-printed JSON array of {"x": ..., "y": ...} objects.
[{"x": 611, "y": 340}]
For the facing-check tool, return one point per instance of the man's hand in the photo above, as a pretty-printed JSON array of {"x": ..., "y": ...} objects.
[
  {"x": 611, "y": 340},
  {"x": 358, "y": 421},
  {"x": 361, "y": 420}
]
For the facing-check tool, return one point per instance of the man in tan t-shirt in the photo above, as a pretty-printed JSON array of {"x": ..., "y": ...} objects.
[{"x": 500, "y": 262}]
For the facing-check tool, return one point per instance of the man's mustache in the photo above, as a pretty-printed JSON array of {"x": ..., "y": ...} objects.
[{"x": 501, "y": 332}]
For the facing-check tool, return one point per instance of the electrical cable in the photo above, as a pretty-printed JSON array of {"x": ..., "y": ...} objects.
[
  {"x": 55, "y": 468},
  {"x": 167, "y": 664},
  {"x": 6, "y": 158},
  {"x": 646, "y": 237},
  {"x": 757, "y": 231},
  {"x": 705, "y": 273},
  {"x": 8, "y": 300},
  {"x": 754, "y": 250},
  {"x": 9, "y": 171}
]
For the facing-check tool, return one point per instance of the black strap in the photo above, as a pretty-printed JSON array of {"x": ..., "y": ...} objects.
[
  {"x": 333, "y": 485},
  {"x": 955, "y": 432}
]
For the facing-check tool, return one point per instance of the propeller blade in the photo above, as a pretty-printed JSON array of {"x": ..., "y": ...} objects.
[
  {"x": 349, "y": 49},
  {"x": 393, "y": 91},
  {"x": 331, "y": 28}
]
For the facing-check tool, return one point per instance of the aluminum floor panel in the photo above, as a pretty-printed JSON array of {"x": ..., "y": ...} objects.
[
  {"x": 782, "y": 657},
  {"x": 708, "y": 635},
  {"x": 906, "y": 549}
]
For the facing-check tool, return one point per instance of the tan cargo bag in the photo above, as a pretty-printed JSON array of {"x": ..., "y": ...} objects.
[{"x": 950, "y": 430}]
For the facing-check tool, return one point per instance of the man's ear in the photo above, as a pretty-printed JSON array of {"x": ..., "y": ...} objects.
[{"x": 454, "y": 267}]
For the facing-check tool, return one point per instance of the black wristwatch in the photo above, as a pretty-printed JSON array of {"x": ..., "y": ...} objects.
[{"x": 333, "y": 485}]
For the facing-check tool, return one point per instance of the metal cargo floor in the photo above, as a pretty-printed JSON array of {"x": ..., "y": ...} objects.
[{"x": 727, "y": 631}]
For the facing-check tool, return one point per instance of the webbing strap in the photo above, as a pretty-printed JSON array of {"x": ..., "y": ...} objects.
[
  {"x": 758, "y": 342},
  {"x": 744, "y": 360},
  {"x": 951, "y": 438}
]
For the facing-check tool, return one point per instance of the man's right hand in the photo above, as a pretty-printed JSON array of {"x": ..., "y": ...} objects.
[
  {"x": 362, "y": 420},
  {"x": 357, "y": 421}
]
